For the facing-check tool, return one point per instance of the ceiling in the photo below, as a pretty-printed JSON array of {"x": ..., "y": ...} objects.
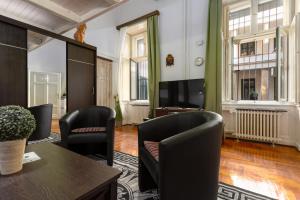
[{"x": 57, "y": 16}]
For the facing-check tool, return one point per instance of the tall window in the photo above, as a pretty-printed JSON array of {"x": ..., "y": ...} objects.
[
  {"x": 270, "y": 14},
  {"x": 139, "y": 67},
  {"x": 239, "y": 22},
  {"x": 256, "y": 63}
]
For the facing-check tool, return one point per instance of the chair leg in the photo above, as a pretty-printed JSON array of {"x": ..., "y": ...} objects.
[
  {"x": 146, "y": 181},
  {"x": 110, "y": 154},
  {"x": 110, "y": 161}
]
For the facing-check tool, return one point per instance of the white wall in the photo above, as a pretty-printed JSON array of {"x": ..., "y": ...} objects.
[
  {"x": 289, "y": 120},
  {"x": 297, "y": 129},
  {"x": 51, "y": 57},
  {"x": 183, "y": 24},
  {"x": 297, "y": 6}
]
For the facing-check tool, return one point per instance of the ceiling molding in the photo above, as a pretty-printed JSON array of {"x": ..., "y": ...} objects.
[{"x": 57, "y": 10}]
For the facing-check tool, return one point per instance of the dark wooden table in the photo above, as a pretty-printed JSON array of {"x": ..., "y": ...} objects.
[{"x": 60, "y": 174}]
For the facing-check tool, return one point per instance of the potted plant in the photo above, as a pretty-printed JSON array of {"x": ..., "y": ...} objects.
[
  {"x": 119, "y": 116},
  {"x": 16, "y": 125}
]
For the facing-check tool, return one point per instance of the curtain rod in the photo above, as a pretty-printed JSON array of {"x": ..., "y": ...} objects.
[{"x": 144, "y": 17}]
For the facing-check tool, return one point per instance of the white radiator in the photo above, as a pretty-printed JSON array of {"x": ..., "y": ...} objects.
[{"x": 258, "y": 124}]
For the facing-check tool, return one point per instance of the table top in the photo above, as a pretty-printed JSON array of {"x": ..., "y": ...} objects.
[{"x": 60, "y": 174}]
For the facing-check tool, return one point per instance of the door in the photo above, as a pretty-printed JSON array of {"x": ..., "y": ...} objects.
[
  {"x": 45, "y": 88},
  {"x": 104, "y": 82},
  {"x": 81, "y": 75}
]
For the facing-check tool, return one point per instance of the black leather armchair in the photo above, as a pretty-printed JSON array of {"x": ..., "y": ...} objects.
[
  {"x": 188, "y": 160},
  {"x": 43, "y": 118},
  {"x": 90, "y": 131}
]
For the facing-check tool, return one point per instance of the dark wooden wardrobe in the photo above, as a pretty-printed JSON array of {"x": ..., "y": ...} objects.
[
  {"x": 80, "y": 66},
  {"x": 81, "y": 77},
  {"x": 13, "y": 65}
]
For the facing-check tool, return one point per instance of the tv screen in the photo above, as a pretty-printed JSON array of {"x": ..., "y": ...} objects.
[{"x": 184, "y": 93}]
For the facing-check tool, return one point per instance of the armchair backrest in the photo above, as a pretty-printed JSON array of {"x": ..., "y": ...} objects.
[
  {"x": 167, "y": 126},
  {"x": 94, "y": 116},
  {"x": 190, "y": 120},
  {"x": 43, "y": 118}
]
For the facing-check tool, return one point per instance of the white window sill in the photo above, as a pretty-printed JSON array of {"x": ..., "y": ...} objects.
[
  {"x": 139, "y": 103},
  {"x": 257, "y": 103}
]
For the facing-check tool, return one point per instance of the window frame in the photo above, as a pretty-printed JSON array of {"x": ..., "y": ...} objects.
[{"x": 227, "y": 72}]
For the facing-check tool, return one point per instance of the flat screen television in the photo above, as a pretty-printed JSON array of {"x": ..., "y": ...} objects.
[{"x": 183, "y": 93}]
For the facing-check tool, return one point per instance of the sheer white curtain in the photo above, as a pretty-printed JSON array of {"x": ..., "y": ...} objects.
[{"x": 123, "y": 73}]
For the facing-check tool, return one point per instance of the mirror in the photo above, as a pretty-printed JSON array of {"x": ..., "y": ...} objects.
[{"x": 47, "y": 72}]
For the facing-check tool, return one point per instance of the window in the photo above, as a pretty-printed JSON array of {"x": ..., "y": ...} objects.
[
  {"x": 248, "y": 49},
  {"x": 239, "y": 22},
  {"x": 270, "y": 15},
  {"x": 139, "y": 80},
  {"x": 256, "y": 64},
  {"x": 139, "y": 67},
  {"x": 140, "y": 47},
  {"x": 248, "y": 89}
]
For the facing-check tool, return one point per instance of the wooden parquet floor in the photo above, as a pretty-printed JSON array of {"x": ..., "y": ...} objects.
[{"x": 271, "y": 171}]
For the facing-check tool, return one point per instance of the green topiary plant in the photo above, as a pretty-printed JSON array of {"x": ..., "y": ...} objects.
[{"x": 16, "y": 123}]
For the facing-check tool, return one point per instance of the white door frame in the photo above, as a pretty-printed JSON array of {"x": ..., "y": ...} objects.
[{"x": 58, "y": 106}]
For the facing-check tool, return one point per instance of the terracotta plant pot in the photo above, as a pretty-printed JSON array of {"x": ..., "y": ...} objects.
[{"x": 11, "y": 156}]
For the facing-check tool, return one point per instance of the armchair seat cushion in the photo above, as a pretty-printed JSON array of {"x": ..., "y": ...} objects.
[
  {"x": 88, "y": 130},
  {"x": 153, "y": 149},
  {"x": 86, "y": 138}
]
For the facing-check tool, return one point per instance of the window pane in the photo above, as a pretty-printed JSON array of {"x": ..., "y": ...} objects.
[
  {"x": 133, "y": 80},
  {"x": 140, "y": 47},
  {"x": 254, "y": 70},
  {"x": 270, "y": 15},
  {"x": 283, "y": 65},
  {"x": 139, "y": 80},
  {"x": 143, "y": 80},
  {"x": 248, "y": 89},
  {"x": 239, "y": 22}
]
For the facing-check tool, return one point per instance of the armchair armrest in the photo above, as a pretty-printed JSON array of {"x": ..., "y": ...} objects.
[
  {"x": 110, "y": 131},
  {"x": 110, "y": 124},
  {"x": 190, "y": 159},
  {"x": 66, "y": 124}
]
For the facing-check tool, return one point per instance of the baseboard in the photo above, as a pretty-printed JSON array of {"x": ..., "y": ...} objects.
[
  {"x": 229, "y": 134},
  {"x": 298, "y": 146}
]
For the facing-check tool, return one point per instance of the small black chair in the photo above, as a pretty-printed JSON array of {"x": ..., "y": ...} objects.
[
  {"x": 43, "y": 118},
  {"x": 180, "y": 155},
  {"x": 90, "y": 131}
]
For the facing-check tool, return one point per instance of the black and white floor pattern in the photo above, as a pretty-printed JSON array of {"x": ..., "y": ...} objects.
[{"x": 128, "y": 182}]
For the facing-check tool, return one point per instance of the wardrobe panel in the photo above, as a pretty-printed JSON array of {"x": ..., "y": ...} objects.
[
  {"x": 13, "y": 65},
  {"x": 81, "y": 77}
]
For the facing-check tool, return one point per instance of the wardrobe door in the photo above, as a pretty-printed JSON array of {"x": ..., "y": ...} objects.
[
  {"x": 13, "y": 65},
  {"x": 81, "y": 77}
]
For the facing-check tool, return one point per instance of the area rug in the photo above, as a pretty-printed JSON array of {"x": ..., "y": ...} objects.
[{"x": 128, "y": 182}]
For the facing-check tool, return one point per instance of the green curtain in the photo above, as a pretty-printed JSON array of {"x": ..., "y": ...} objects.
[
  {"x": 213, "y": 68},
  {"x": 153, "y": 62}
]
